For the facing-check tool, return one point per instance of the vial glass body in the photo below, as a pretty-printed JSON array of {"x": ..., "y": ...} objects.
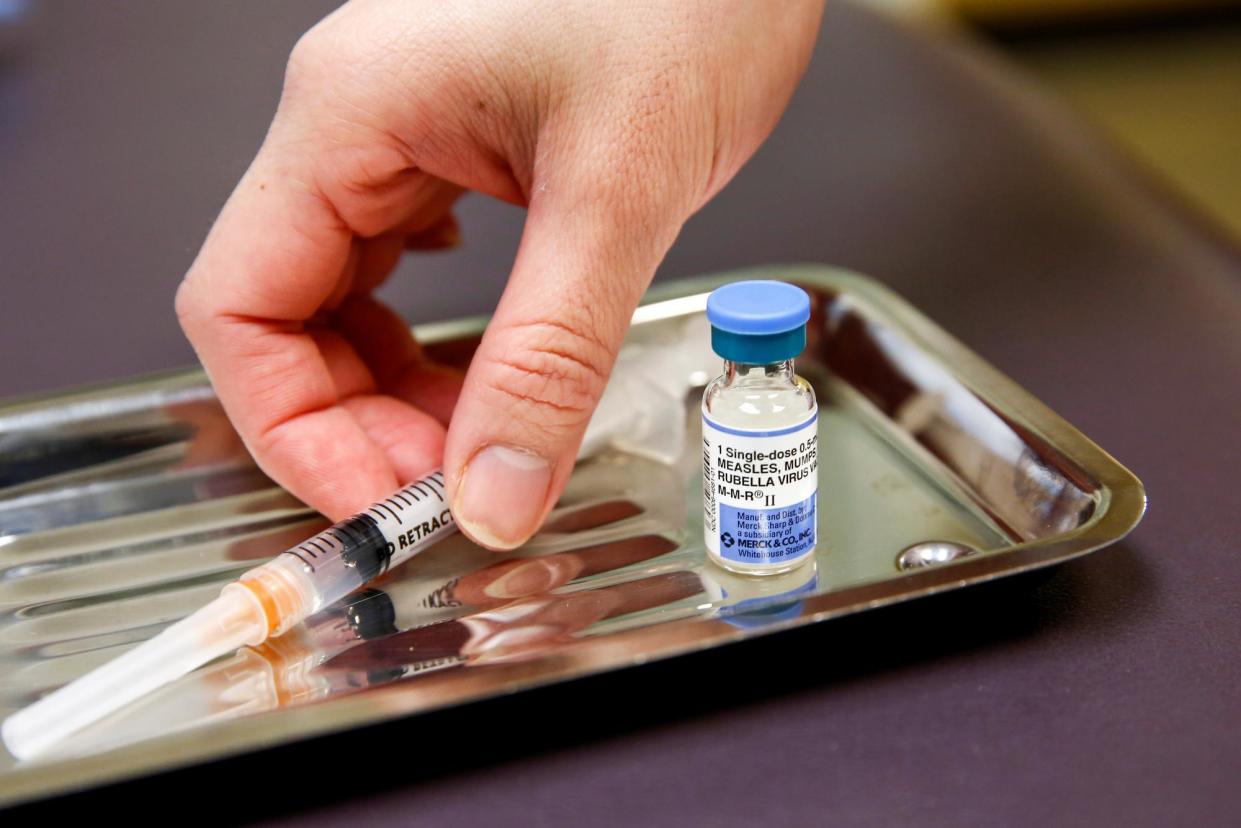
[{"x": 760, "y": 468}]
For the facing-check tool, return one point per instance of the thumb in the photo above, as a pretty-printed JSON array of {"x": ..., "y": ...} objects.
[{"x": 544, "y": 361}]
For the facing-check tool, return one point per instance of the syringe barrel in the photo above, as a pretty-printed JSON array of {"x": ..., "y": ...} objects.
[
  {"x": 266, "y": 601},
  {"x": 332, "y": 564}
]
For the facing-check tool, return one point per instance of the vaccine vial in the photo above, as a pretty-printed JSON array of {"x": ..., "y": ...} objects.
[{"x": 759, "y": 432}]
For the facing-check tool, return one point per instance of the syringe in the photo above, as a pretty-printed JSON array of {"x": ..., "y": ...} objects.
[{"x": 264, "y": 602}]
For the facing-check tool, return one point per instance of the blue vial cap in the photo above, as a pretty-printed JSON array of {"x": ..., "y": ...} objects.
[{"x": 758, "y": 322}]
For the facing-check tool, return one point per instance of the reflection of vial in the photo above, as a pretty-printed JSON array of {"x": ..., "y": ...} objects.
[
  {"x": 753, "y": 603},
  {"x": 759, "y": 432}
]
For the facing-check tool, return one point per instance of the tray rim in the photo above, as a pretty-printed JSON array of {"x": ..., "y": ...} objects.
[{"x": 1121, "y": 505}]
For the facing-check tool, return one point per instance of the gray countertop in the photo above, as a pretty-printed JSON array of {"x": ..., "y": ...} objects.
[{"x": 1100, "y": 692}]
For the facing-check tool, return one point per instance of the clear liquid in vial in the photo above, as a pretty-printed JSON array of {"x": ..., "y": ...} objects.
[{"x": 760, "y": 461}]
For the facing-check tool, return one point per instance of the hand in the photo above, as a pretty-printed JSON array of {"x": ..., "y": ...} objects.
[{"x": 612, "y": 122}]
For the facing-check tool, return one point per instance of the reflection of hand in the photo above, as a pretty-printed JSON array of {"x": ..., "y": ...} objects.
[
  {"x": 527, "y": 627},
  {"x": 212, "y": 439},
  {"x": 523, "y": 577},
  {"x": 520, "y": 628},
  {"x": 263, "y": 546},
  {"x": 611, "y": 122},
  {"x": 517, "y": 578}
]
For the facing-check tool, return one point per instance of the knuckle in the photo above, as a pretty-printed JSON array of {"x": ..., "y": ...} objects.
[
  {"x": 187, "y": 306},
  {"x": 309, "y": 61},
  {"x": 336, "y": 56},
  {"x": 550, "y": 374},
  {"x": 354, "y": 55}
]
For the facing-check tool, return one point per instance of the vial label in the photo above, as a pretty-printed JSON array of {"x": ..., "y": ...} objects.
[{"x": 759, "y": 491}]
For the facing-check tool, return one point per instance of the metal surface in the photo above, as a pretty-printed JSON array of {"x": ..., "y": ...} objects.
[
  {"x": 932, "y": 553},
  {"x": 125, "y": 507}
]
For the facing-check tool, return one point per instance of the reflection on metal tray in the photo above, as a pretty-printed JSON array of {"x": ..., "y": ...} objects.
[{"x": 124, "y": 508}]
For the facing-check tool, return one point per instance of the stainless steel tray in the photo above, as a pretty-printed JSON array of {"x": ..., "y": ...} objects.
[{"x": 125, "y": 507}]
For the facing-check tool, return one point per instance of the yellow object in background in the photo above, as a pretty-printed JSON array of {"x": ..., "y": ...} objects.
[
  {"x": 1041, "y": 12},
  {"x": 1164, "y": 94}
]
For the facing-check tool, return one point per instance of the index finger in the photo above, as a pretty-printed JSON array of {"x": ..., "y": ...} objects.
[{"x": 275, "y": 256}]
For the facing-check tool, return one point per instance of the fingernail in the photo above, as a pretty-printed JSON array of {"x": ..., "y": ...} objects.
[{"x": 501, "y": 496}]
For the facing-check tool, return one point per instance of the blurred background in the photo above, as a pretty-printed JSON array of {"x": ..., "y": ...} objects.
[{"x": 1161, "y": 78}]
